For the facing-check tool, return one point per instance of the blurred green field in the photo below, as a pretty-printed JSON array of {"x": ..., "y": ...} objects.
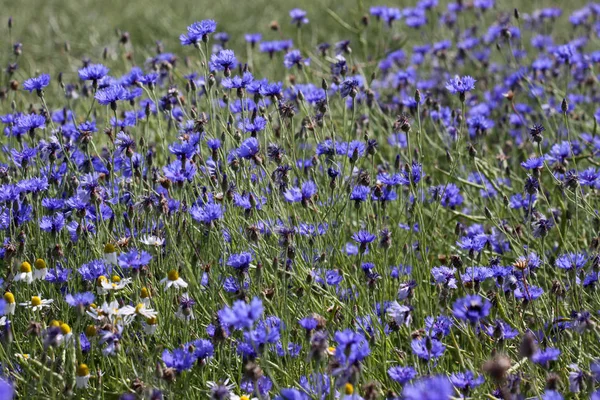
[{"x": 91, "y": 25}]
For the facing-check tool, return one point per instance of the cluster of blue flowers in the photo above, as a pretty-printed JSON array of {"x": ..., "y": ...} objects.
[{"x": 401, "y": 221}]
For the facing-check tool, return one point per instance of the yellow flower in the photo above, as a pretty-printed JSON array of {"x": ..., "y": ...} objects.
[
  {"x": 173, "y": 275},
  {"x": 39, "y": 264},
  {"x": 25, "y": 267},
  {"x": 348, "y": 389},
  {"x": 9, "y": 297},
  {"x": 65, "y": 329},
  {"x": 83, "y": 370},
  {"x": 36, "y": 301}
]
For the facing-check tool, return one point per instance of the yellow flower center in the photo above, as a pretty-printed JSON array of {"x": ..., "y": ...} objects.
[
  {"x": 25, "y": 267},
  {"x": 331, "y": 349},
  {"x": 101, "y": 280},
  {"x": 9, "y": 297},
  {"x": 244, "y": 397},
  {"x": 54, "y": 323},
  {"x": 139, "y": 307},
  {"x": 65, "y": 329},
  {"x": 145, "y": 293},
  {"x": 152, "y": 321},
  {"x": 109, "y": 248},
  {"x": 173, "y": 275},
  {"x": 116, "y": 278},
  {"x": 348, "y": 389},
  {"x": 36, "y": 301},
  {"x": 39, "y": 264},
  {"x": 83, "y": 370},
  {"x": 90, "y": 331}
]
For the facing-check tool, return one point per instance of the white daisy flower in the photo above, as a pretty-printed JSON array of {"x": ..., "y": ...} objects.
[
  {"x": 82, "y": 376},
  {"x": 110, "y": 254},
  {"x": 153, "y": 241},
  {"x": 242, "y": 397},
  {"x": 40, "y": 270},
  {"x": 24, "y": 273},
  {"x": 150, "y": 325},
  {"x": 116, "y": 284},
  {"x": 37, "y": 303},
  {"x": 10, "y": 303},
  {"x": 173, "y": 280}
]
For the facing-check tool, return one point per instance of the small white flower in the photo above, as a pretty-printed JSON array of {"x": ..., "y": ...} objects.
[
  {"x": 111, "y": 258},
  {"x": 153, "y": 241},
  {"x": 173, "y": 280},
  {"x": 115, "y": 284},
  {"x": 10, "y": 303},
  {"x": 242, "y": 397},
  {"x": 37, "y": 303},
  {"x": 82, "y": 376},
  {"x": 25, "y": 273}
]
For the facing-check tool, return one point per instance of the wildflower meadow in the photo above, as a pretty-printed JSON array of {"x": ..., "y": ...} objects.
[{"x": 300, "y": 201}]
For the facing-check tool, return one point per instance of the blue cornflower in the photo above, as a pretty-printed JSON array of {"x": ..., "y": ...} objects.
[
  {"x": 29, "y": 122},
  {"x": 460, "y": 85},
  {"x": 438, "y": 327},
  {"x": 52, "y": 224},
  {"x": 471, "y": 308},
  {"x": 93, "y": 72},
  {"x": 202, "y": 349},
  {"x": 294, "y": 58},
  {"x": 564, "y": 53},
  {"x": 207, "y": 214},
  {"x": 253, "y": 126},
  {"x": 179, "y": 359},
  {"x": 427, "y": 348},
  {"x": 241, "y": 315},
  {"x": 436, "y": 387},
  {"x": 198, "y": 32},
  {"x": 37, "y": 83},
  {"x": 240, "y": 261},
  {"x": 253, "y": 38},
  {"x": 298, "y": 16},
  {"x": 544, "y": 357},
  {"x": 7, "y": 391},
  {"x": 304, "y": 195},
  {"x": 500, "y": 330},
  {"x": 402, "y": 375},
  {"x": 533, "y": 163},
  {"x": 134, "y": 259},
  {"x": 360, "y": 193},
  {"x": 271, "y": 90},
  {"x": 571, "y": 261},
  {"x": 249, "y": 148},
  {"x": 224, "y": 60},
  {"x": 238, "y": 82},
  {"x": 349, "y": 87},
  {"x": 82, "y": 300},
  {"x": 93, "y": 270},
  {"x": 111, "y": 95},
  {"x": 363, "y": 238},
  {"x": 465, "y": 381},
  {"x": 308, "y": 323}
]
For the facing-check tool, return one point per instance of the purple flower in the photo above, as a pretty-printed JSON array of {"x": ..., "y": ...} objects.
[
  {"x": 93, "y": 72},
  {"x": 111, "y": 95},
  {"x": 466, "y": 381},
  {"x": 544, "y": 357},
  {"x": 460, "y": 85},
  {"x": 249, "y": 148},
  {"x": 241, "y": 315},
  {"x": 80, "y": 299},
  {"x": 240, "y": 261},
  {"x": 179, "y": 359},
  {"x": 198, "y": 32},
  {"x": 224, "y": 60},
  {"x": 427, "y": 348},
  {"x": 471, "y": 308},
  {"x": 402, "y": 375},
  {"x": 37, "y": 83},
  {"x": 298, "y": 16},
  {"x": 436, "y": 387}
]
